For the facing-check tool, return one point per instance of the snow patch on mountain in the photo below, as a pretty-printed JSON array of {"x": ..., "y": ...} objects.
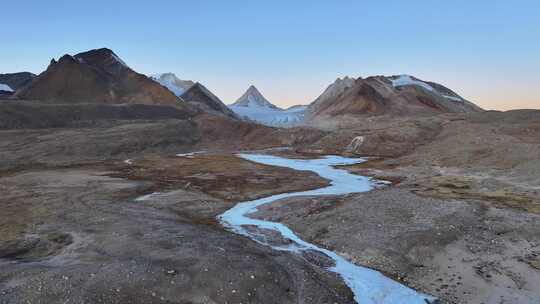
[
  {"x": 5, "y": 87},
  {"x": 407, "y": 80},
  {"x": 454, "y": 98},
  {"x": 173, "y": 83}
]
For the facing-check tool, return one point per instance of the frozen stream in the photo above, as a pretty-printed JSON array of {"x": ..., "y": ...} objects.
[{"x": 368, "y": 286}]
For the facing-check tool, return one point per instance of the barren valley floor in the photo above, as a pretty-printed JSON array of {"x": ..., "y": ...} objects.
[
  {"x": 77, "y": 233},
  {"x": 461, "y": 220}
]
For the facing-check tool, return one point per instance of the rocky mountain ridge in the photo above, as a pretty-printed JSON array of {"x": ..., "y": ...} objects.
[
  {"x": 95, "y": 76},
  {"x": 202, "y": 98},
  {"x": 401, "y": 95}
]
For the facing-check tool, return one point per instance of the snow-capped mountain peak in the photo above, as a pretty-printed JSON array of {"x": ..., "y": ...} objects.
[
  {"x": 253, "y": 98},
  {"x": 173, "y": 83},
  {"x": 252, "y": 105}
]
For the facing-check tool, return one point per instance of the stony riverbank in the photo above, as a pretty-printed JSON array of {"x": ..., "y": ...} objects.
[{"x": 463, "y": 249}]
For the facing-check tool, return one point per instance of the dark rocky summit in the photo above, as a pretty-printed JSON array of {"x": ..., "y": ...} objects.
[{"x": 95, "y": 76}]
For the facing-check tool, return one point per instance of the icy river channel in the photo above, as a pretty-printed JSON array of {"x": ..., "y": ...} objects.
[{"x": 367, "y": 285}]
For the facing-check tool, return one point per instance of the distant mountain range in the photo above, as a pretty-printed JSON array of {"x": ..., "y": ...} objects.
[
  {"x": 100, "y": 76},
  {"x": 347, "y": 98}
]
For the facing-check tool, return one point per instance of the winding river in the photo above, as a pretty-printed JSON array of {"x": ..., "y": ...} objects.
[{"x": 367, "y": 285}]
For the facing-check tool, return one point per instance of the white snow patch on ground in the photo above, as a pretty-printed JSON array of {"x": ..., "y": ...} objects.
[
  {"x": 369, "y": 286},
  {"x": 404, "y": 80},
  {"x": 5, "y": 87},
  {"x": 189, "y": 154},
  {"x": 146, "y": 197},
  {"x": 128, "y": 161}
]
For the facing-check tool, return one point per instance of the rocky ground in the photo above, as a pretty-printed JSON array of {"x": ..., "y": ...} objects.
[
  {"x": 79, "y": 234},
  {"x": 72, "y": 229},
  {"x": 463, "y": 251},
  {"x": 461, "y": 220}
]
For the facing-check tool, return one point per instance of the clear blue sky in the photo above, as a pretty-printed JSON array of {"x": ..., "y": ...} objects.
[{"x": 488, "y": 51}]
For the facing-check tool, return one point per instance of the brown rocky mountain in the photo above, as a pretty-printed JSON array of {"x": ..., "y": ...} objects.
[
  {"x": 396, "y": 95},
  {"x": 95, "y": 76},
  {"x": 332, "y": 91},
  {"x": 199, "y": 96}
]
